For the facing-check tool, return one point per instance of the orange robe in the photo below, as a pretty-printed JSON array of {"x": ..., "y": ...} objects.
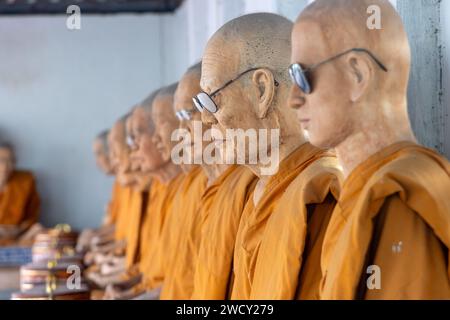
[
  {"x": 215, "y": 258},
  {"x": 179, "y": 283},
  {"x": 288, "y": 264},
  {"x": 391, "y": 224},
  {"x": 19, "y": 201},
  {"x": 159, "y": 206},
  {"x": 113, "y": 206},
  {"x": 135, "y": 217},
  {"x": 186, "y": 202},
  {"x": 254, "y": 218},
  {"x": 123, "y": 205}
]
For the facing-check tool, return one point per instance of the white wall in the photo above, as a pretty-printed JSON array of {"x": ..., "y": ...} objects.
[
  {"x": 58, "y": 88},
  {"x": 187, "y": 31},
  {"x": 445, "y": 20}
]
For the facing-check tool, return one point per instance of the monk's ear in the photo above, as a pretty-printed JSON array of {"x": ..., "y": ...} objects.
[
  {"x": 264, "y": 81},
  {"x": 360, "y": 74}
]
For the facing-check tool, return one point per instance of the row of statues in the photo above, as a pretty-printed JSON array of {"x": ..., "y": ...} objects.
[{"x": 356, "y": 208}]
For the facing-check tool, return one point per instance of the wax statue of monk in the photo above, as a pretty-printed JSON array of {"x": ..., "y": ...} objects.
[
  {"x": 218, "y": 207},
  {"x": 19, "y": 201},
  {"x": 257, "y": 63},
  {"x": 153, "y": 126},
  {"x": 180, "y": 265},
  {"x": 389, "y": 236},
  {"x": 107, "y": 230},
  {"x": 153, "y": 162},
  {"x": 112, "y": 262}
]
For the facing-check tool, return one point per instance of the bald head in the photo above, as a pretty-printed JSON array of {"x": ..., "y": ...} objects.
[
  {"x": 355, "y": 102},
  {"x": 339, "y": 25},
  {"x": 257, "y": 40}
]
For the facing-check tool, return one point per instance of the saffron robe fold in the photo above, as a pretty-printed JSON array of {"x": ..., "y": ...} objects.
[
  {"x": 254, "y": 218},
  {"x": 215, "y": 258},
  {"x": 410, "y": 186},
  {"x": 185, "y": 202},
  {"x": 19, "y": 201},
  {"x": 122, "y": 207},
  {"x": 288, "y": 263},
  {"x": 160, "y": 203},
  {"x": 179, "y": 284},
  {"x": 136, "y": 215}
]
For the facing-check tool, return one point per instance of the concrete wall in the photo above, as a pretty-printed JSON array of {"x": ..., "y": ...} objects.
[
  {"x": 58, "y": 88},
  {"x": 427, "y": 25},
  {"x": 445, "y": 36}
]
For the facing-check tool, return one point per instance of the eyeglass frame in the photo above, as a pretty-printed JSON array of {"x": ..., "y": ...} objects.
[
  {"x": 316, "y": 65},
  {"x": 215, "y": 92},
  {"x": 185, "y": 114}
]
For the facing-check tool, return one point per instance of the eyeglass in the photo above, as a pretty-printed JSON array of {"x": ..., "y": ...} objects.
[
  {"x": 130, "y": 141},
  {"x": 204, "y": 101},
  {"x": 299, "y": 76},
  {"x": 185, "y": 114}
]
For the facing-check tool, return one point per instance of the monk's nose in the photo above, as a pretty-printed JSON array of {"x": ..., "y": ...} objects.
[{"x": 296, "y": 97}]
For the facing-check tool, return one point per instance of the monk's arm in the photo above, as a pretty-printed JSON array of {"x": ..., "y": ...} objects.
[{"x": 412, "y": 261}]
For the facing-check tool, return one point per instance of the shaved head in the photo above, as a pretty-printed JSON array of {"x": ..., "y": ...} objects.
[
  {"x": 258, "y": 40},
  {"x": 355, "y": 105},
  {"x": 195, "y": 70},
  {"x": 342, "y": 24}
]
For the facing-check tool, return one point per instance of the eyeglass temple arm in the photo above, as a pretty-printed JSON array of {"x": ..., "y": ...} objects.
[
  {"x": 378, "y": 62},
  {"x": 232, "y": 80}
]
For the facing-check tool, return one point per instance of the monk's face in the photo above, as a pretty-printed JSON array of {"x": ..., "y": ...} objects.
[
  {"x": 188, "y": 87},
  {"x": 101, "y": 157},
  {"x": 326, "y": 114},
  {"x": 238, "y": 103},
  {"x": 145, "y": 152},
  {"x": 6, "y": 165},
  {"x": 119, "y": 151},
  {"x": 165, "y": 124},
  {"x": 134, "y": 163}
]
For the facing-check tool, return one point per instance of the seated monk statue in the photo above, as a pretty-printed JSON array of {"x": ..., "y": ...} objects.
[
  {"x": 106, "y": 232},
  {"x": 209, "y": 227},
  {"x": 19, "y": 201},
  {"x": 110, "y": 259},
  {"x": 389, "y": 235},
  {"x": 245, "y": 86},
  {"x": 154, "y": 122}
]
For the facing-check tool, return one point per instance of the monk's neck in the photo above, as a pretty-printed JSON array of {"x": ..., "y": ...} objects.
[
  {"x": 167, "y": 173},
  {"x": 358, "y": 147},
  {"x": 287, "y": 145},
  {"x": 286, "y": 149}
]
